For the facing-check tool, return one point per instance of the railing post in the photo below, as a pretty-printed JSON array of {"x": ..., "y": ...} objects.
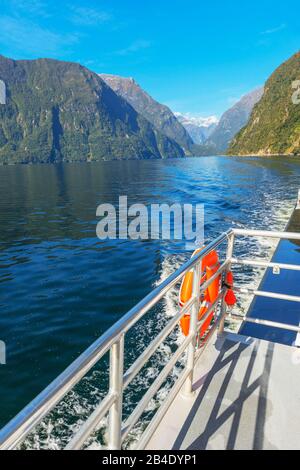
[
  {"x": 116, "y": 386},
  {"x": 229, "y": 254},
  {"x": 188, "y": 387}
]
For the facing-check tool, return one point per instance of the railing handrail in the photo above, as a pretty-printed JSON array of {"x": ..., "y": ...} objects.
[
  {"x": 20, "y": 426},
  {"x": 27, "y": 419},
  {"x": 267, "y": 234},
  {"x": 265, "y": 264}
]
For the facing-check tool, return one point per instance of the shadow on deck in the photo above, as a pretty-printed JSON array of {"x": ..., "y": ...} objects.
[{"x": 243, "y": 400}]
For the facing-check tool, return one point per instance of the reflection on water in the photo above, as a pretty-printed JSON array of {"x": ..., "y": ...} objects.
[{"x": 61, "y": 287}]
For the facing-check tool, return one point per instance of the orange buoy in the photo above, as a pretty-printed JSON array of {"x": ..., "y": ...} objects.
[
  {"x": 230, "y": 298},
  {"x": 186, "y": 288},
  {"x": 210, "y": 265}
]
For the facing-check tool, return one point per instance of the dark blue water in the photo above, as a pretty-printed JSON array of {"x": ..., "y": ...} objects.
[{"x": 61, "y": 287}]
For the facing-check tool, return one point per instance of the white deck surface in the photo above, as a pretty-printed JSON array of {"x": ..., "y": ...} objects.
[{"x": 247, "y": 396}]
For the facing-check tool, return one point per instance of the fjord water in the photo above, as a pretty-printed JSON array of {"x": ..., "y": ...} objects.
[{"x": 61, "y": 287}]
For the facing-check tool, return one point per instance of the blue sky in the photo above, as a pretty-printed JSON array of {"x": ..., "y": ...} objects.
[{"x": 195, "y": 56}]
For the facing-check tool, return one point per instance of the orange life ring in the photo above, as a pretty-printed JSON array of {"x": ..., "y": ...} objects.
[
  {"x": 230, "y": 298},
  {"x": 210, "y": 265}
]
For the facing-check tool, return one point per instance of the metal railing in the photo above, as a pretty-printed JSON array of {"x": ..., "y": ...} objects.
[
  {"x": 265, "y": 264},
  {"x": 113, "y": 342}
]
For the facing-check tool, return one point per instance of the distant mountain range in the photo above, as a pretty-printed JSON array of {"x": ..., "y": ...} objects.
[
  {"x": 199, "y": 128},
  {"x": 195, "y": 135},
  {"x": 233, "y": 120},
  {"x": 215, "y": 135},
  {"x": 160, "y": 116},
  {"x": 274, "y": 126},
  {"x": 60, "y": 111}
]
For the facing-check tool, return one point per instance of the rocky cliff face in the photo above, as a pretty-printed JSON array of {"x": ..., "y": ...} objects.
[
  {"x": 59, "y": 111},
  {"x": 233, "y": 120},
  {"x": 159, "y": 115},
  {"x": 274, "y": 126}
]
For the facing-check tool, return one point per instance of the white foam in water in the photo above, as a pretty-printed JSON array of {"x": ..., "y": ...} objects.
[{"x": 275, "y": 217}]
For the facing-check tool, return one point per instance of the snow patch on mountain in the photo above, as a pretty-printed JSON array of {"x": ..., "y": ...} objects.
[
  {"x": 197, "y": 120},
  {"x": 200, "y": 128}
]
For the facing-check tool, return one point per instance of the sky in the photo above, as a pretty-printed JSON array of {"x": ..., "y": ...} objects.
[{"x": 196, "y": 56}]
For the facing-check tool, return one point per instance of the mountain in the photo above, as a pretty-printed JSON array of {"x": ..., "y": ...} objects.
[
  {"x": 159, "y": 115},
  {"x": 60, "y": 111},
  {"x": 233, "y": 120},
  {"x": 199, "y": 128},
  {"x": 274, "y": 126}
]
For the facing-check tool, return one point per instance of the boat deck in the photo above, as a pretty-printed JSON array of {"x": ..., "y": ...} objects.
[
  {"x": 245, "y": 392},
  {"x": 287, "y": 282},
  {"x": 241, "y": 390}
]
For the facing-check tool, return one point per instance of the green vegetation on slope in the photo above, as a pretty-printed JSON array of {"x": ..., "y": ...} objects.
[
  {"x": 274, "y": 126},
  {"x": 158, "y": 114},
  {"x": 59, "y": 111}
]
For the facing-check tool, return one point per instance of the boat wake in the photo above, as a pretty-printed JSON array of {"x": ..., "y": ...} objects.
[{"x": 56, "y": 430}]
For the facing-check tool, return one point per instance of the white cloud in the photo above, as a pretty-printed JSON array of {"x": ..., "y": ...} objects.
[
  {"x": 31, "y": 7},
  {"x": 136, "y": 46},
  {"x": 274, "y": 30},
  {"x": 27, "y": 37},
  {"x": 89, "y": 16}
]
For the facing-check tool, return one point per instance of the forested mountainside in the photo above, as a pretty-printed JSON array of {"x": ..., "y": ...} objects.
[
  {"x": 233, "y": 120},
  {"x": 274, "y": 126},
  {"x": 60, "y": 111},
  {"x": 158, "y": 114}
]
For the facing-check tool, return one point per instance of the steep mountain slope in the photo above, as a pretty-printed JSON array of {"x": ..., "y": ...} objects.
[
  {"x": 159, "y": 115},
  {"x": 274, "y": 127},
  {"x": 199, "y": 128},
  {"x": 233, "y": 120},
  {"x": 60, "y": 111}
]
